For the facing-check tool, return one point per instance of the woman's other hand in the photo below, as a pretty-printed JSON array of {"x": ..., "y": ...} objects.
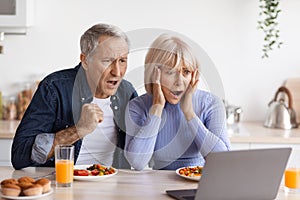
[{"x": 186, "y": 103}]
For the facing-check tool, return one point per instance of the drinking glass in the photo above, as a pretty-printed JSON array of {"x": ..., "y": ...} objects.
[
  {"x": 292, "y": 172},
  {"x": 64, "y": 164}
]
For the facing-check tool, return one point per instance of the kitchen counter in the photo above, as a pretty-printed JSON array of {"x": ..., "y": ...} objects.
[
  {"x": 255, "y": 132},
  {"x": 244, "y": 132},
  {"x": 245, "y": 135}
]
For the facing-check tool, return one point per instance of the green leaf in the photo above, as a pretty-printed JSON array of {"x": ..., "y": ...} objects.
[{"x": 269, "y": 12}]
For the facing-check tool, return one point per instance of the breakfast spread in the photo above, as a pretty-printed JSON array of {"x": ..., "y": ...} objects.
[
  {"x": 191, "y": 171},
  {"x": 94, "y": 170},
  {"x": 25, "y": 186}
]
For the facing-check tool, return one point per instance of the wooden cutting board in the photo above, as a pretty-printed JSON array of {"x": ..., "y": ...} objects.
[{"x": 293, "y": 84}]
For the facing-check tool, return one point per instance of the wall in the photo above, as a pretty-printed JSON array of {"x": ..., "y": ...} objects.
[{"x": 225, "y": 29}]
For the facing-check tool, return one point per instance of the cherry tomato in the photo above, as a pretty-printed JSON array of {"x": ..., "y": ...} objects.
[
  {"x": 95, "y": 172},
  {"x": 98, "y": 166},
  {"x": 81, "y": 172}
]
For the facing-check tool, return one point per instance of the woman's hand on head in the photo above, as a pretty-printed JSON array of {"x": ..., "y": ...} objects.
[
  {"x": 186, "y": 103},
  {"x": 194, "y": 82},
  {"x": 157, "y": 93},
  {"x": 159, "y": 100}
]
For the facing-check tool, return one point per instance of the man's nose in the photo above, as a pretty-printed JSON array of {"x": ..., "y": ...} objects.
[{"x": 115, "y": 68}]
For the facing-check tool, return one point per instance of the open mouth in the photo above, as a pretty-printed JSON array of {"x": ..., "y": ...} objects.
[
  {"x": 176, "y": 93},
  {"x": 112, "y": 82}
]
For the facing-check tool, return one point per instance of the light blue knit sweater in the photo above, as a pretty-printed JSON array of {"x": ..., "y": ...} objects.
[{"x": 171, "y": 141}]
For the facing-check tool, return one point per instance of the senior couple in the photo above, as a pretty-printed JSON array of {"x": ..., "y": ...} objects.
[{"x": 93, "y": 108}]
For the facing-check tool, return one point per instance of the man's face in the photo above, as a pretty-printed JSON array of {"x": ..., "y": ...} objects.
[{"x": 106, "y": 66}]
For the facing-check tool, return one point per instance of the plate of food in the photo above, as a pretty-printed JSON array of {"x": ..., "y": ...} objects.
[
  {"x": 191, "y": 173},
  {"x": 95, "y": 172},
  {"x": 25, "y": 188},
  {"x": 27, "y": 197}
]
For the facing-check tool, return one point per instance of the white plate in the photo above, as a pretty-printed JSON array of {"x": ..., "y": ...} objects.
[
  {"x": 194, "y": 178},
  {"x": 27, "y": 197},
  {"x": 91, "y": 178}
]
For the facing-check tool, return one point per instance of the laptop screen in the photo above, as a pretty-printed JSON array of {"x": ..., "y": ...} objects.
[{"x": 244, "y": 174}]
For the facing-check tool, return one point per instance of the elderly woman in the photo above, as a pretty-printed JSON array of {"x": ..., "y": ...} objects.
[{"x": 174, "y": 124}]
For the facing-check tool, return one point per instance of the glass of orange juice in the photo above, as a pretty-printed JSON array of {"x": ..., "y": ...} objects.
[
  {"x": 64, "y": 164},
  {"x": 292, "y": 172}
]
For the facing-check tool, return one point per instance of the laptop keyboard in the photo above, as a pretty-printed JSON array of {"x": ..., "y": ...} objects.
[{"x": 188, "y": 197}]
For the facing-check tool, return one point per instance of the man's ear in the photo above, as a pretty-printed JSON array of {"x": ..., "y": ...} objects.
[{"x": 83, "y": 61}]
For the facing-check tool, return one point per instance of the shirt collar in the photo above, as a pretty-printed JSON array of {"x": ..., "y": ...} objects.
[{"x": 84, "y": 90}]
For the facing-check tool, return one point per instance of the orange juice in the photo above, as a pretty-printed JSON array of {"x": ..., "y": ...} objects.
[
  {"x": 292, "y": 177},
  {"x": 64, "y": 171}
]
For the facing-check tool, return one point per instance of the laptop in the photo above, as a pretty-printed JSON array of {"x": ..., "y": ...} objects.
[{"x": 239, "y": 175}]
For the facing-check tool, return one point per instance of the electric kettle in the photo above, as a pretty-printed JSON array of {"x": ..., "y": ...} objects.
[{"x": 280, "y": 114}]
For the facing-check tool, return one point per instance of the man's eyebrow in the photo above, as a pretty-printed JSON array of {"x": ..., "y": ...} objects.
[{"x": 112, "y": 57}]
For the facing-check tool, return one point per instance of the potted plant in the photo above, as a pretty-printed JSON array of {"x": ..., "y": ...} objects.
[{"x": 269, "y": 25}]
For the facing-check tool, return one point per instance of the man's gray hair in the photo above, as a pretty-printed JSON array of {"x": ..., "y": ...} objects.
[{"x": 90, "y": 39}]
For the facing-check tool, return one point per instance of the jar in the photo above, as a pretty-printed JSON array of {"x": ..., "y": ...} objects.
[
  {"x": 24, "y": 98},
  {"x": 0, "y": 105},
  {"x": 1, "y": 41},
  {"x": 9, "y": 108}
]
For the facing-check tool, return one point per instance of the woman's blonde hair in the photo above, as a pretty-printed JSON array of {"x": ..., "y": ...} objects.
[{"x": 170, "y": 51}]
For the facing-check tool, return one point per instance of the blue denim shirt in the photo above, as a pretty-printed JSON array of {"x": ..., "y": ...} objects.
[{"x": 56, "y": 105}]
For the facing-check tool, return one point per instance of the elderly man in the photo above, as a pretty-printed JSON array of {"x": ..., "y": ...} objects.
[{"x": 83, "y": 106}]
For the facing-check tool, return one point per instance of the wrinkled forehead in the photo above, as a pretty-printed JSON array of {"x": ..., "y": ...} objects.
[{"x": 112, "y": 46}]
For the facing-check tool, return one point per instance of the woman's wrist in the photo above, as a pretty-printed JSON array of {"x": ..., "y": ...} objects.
[
  {"x": 189, "y": 116},
  {"x": 156, "y": 109}
]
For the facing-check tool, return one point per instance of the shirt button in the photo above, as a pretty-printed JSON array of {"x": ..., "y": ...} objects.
[
  {"x": 67, "y": 126},
  {"x": 82, "y": 99},
  {"x": 114, "y": 97},
  {"x": 115, "y": 107}
]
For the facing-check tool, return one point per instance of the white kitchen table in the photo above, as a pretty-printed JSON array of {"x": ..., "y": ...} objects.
[{"x": 127, "y": 184}]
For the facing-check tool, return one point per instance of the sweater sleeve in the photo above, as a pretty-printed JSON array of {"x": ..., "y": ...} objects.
[
  {"x": 141, "y": 135},
  {"x": 211, "y": 136}
]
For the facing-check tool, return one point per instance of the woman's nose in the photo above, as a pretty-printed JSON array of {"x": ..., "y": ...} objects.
[{"x": 179, "y": 79}]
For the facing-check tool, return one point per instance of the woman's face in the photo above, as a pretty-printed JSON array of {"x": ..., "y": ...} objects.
[{"x": 174, "y": 82}]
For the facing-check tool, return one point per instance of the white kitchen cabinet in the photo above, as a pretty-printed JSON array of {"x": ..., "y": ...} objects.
[
  {"x": 5, "y": 145},
  {"x": 295, "y": 154},
  {"x": 265, "y": 145},
  {"x": 7, "y": 132},
  {"x": 240, "y": 146},
  {"x": 16, "y": 15},
  {"x": 252, "y": 135},
  {"x": 294, "y": 159}
]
